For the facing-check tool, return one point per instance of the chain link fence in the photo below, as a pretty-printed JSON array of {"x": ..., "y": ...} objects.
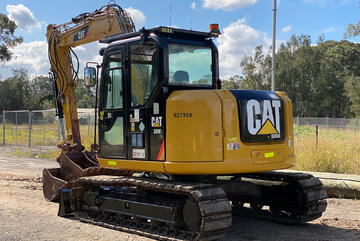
[
  {"x": 40, "y": 127},
  {"x": 325, "y": 129},
  {"x": 327, "y": 122}
]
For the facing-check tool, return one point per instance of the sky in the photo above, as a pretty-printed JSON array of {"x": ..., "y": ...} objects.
[{"x": 244, "y": 25}]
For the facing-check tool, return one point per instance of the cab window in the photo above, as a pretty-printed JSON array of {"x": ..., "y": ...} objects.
[
  {"x": 190, "y": 65},
  {"x": 113, "y": 84},
  {"x": 144, "y": 72}
]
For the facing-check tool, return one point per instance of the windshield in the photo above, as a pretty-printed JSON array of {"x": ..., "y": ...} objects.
[{"x": 189, "y": 65}]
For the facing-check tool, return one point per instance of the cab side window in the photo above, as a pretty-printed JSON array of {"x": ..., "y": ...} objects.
[
  {"x": 113, "y": 84},
  {"x": 144, "y": 72}
]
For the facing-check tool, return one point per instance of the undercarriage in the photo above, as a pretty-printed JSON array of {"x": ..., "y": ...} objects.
[{"x": 184, "y": 210}]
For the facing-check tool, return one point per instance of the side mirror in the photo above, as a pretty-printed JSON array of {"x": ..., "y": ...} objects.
[{"x": 90, "y": 76}]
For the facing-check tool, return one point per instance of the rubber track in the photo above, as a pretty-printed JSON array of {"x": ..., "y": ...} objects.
[
  {"x": 313, "y": 202},
  {"x": 213, "y": 204}
]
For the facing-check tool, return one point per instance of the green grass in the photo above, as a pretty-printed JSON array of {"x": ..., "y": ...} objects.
[{"x": 20, "y": 153}]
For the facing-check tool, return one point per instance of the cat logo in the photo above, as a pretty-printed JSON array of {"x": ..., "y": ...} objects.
[
  {"x": 81, "y": 34},
  {"x": 261, "y": 121},
  {"x": 156, "y": 121}
]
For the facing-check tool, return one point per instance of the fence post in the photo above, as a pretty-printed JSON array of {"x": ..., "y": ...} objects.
[
  {"x": 317, "y": 135},
  {"x": 29, "y": 128},
  {"x": 4, "y": 127},
  {"x": 58, "y": 134},
  {"x": 16, "y": 123},
  {"x": 297, "y": 120},
  {"x": 88, "y": 124}
]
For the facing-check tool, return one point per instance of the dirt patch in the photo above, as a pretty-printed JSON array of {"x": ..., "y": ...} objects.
[{"x": 25, "y": 215}]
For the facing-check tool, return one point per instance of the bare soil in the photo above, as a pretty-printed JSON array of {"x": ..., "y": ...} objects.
[{"x": 25, "y": 215}]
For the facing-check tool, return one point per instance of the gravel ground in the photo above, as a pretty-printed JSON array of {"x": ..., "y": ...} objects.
[{"x": 25, "y": 215}]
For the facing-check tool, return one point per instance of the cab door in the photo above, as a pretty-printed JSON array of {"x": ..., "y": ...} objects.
[
  {"x": 112, "y": 124},
  {"x": 144, "y": 102}
]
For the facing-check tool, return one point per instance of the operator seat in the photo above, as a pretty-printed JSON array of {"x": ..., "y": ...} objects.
[{"x": 181, "y": 76}]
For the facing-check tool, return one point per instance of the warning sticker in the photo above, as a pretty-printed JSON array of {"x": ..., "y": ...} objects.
[
  {"x": 156, "y": 109},
  {"x": 139, "y": 153},
  {"x": 233, "y": 139},
  {"x": 233, "y": 146},
  {"x": 136, "y": 115}
]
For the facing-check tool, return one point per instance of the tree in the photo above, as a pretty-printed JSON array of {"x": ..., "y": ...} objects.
[
  {"x": 352, "y": 30},
  {"x": 319, "y": 79},
  {"x": 233, "y": 82},
  {"x": 7, "y": 37},
  {"x": 15, "y": 91},
  {"x": 352, "y": 85},
  {"x": 257, "y": 70},
  {"x": 42, "y": 94},
  {"x": 85, "y": 97},
  {"x": 296, "y": 64}
]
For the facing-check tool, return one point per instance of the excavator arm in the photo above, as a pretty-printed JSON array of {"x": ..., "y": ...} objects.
[{"x": 83, "y": 29}]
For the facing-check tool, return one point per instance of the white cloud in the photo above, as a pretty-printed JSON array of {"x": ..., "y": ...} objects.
[
  {"x": 329, "y": 30},
  {"x": 287, "y": 28},
  {"x": 228, "y": 4},
  {"x": 238, "y": 40},
  {"x": 193, "y": 5},
  {"x": 88, "y": 53},
  {"x": 33, "y": 56},
  {"x": 138, "y": 17},
  {"x": 23, "y": 17}
]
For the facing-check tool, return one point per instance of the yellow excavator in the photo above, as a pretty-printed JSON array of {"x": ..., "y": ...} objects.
[{"x": 175, "y": 156}]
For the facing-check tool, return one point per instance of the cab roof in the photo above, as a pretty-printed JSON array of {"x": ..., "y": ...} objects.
[{"x": 161, "y": 32}]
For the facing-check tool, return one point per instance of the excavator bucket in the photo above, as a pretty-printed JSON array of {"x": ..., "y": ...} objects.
[
  {"x": 52, "y": 183},
  {"x": 72, "y": 166}
]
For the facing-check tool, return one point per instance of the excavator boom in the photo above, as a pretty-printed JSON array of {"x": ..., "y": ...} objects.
[{"x": 83, "y": 29}]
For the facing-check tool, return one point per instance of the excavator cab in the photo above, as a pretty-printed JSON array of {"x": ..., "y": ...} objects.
[
  {"x": 161, "y": 109},
  {"x": 139, "y": 71}
]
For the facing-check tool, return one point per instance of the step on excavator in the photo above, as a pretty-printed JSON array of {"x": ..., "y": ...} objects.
[{"x": 174, "y": 155}]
